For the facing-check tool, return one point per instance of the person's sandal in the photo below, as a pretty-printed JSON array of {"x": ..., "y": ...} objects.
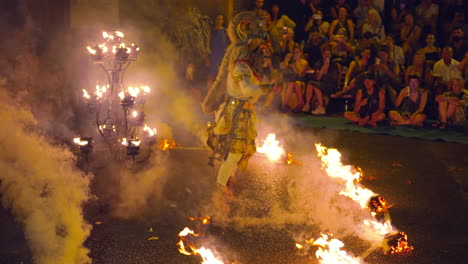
[
  {"x": 437, "y": 124},
  {"x": 443, "y": 126}
]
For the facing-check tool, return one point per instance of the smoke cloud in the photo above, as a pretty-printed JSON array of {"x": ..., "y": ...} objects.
[{"x": 42, "y": 187}]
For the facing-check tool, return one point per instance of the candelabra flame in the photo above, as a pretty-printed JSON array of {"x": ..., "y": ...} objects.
[
  {"x": 80, "y": 142},
  {"x": 85, "y": 94}
]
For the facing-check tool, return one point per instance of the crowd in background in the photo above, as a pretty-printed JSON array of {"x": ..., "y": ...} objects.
[{"x": 400, "y": 62}]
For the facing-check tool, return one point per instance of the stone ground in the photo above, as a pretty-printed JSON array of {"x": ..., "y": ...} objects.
[{"x": 426, "y": 181}]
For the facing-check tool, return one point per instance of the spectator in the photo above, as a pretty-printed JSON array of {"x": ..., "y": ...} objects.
[
  {"x": 452, "y": 106},
  {"x": 431, "y": 52},
  {"x": 337, "y": 5},
  {"x": 420, "y": 68},
  {"x": 445, "y": 70},
  {"x": 456, "y": 15},
  {"x": 342, "y": 22},
  {"x": 294, "y": 67},
  {"x": 409, "y": 35},
  {"x": 463, "y": 67},
  {"x": 218, "y": 45},
  {"x": 261, "y": 13},
  {"x": 373, "y": 24},
  {"x": 300, "y": 14},
  {"x": 354, "y": 74},
  {"x": 360, "y": 12},
  {"x": 398, "y": 12},
  {"x": 386, "y": 73},
  {"x": 287, "y": 42},
  {"x": 342, "y": 50},
  {"x": 312, "y": 47},
  {"x": 367, "y": 41},
  {"x": 396, "y": 52},
  {"x": 458, "y": 43},
  {"x": 316, "y": 21},
  {"x": 410, "y": 103},
  {"x": 369, "y": 104},
  {"x": 427, "y": 14},
  {"x": 326, "y": 82}
]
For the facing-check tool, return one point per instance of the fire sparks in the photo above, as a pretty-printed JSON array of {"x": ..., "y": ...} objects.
[
  {"x": 167, "y": 144},
  {"x": 271, "y": 148},
  {"x": 151, "y": 131},
  {"x": 203, "y": 219},
  {"x": 330, "y": 251},
  {"x": 188, "y": 247}
]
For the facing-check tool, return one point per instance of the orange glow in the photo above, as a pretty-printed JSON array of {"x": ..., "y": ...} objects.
[
  {"x": 271, "y": 148},
  {"x": 330, "y": 251},
  {"x": 167, "y": 144}
]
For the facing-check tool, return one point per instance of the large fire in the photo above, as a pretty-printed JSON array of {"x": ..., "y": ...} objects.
[
  {"x": 271, "y": 148},
  {"x": 350, "y": 176}
]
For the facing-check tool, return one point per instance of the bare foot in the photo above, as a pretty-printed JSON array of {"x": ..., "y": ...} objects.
[{"x": 363, "y": 121}]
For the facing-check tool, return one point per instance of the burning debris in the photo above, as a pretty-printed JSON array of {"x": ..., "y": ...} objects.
[
  {"x": 167, "y": 144},
  {"x": 350, "y": 177},
  {"x": 378, "y": 205},
  {"x": 188, "y": 244},
  {"x": 398, "y": 244}
]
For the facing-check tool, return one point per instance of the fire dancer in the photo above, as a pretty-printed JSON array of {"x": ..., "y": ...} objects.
[{"x": 232, "y": 137}]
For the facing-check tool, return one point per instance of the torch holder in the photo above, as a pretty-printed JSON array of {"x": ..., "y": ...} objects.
[
  {"x": 127, "y": 102},
  {"x": 93, "y": 104},
  {"x": 86, "y": 149}
]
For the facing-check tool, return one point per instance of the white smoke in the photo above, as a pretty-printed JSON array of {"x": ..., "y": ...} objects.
[{"x": 41, "y": 186}]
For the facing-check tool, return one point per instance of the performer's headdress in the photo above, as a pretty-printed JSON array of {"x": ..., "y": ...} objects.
[{"x": 242, "y": 29}]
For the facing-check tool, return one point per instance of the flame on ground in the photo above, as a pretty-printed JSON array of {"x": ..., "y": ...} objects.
[
  {"x": 167, "y": 144},
  {"x": 271, "y": 148},
  {"x": 188, "y": 247},
  {"x": 330, "y": 251}
]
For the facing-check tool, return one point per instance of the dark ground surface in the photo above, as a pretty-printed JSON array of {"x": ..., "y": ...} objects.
[{"x": 426, "y": 181}]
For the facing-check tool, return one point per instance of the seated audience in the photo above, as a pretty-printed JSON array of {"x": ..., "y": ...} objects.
[
  {"x": 369, "y": 104},
  {"x": 373, "y": 24},
  {"x": 325, "y": 82},
  {"x": 342, "y": 22},
  {"x": 354, "y": 74},
  {"x": 316, "y": 21},
  {"x": 387, "y": 74},
  {"x": 445, "y": 70},
  {"x": 409, "y": 36},
  {"x": 452, "y": 106},
  {"x": 312, "y": 47},
  {"x": 420, "y": 68},
  {"x": 431, "y": 52},
  {"x": 396, "y": 52},
  {"x": 294, "y": 68},
  {"x": 342, "y": 50},
  {"x": 410, "y": 104}
]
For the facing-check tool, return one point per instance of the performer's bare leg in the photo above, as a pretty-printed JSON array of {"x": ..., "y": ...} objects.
[{"x": 228, "y": 168}]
